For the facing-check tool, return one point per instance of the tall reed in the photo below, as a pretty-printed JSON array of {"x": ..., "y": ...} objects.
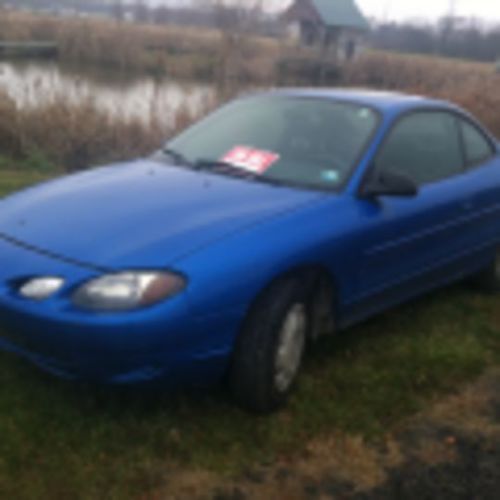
[
  {"x": 475, "y": 86},
  {"x": 77, "y": 135}
]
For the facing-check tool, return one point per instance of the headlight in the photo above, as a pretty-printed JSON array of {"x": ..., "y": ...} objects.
[
  {"x": 128, "y": 290},
  {"x": 41, "y": 288}
]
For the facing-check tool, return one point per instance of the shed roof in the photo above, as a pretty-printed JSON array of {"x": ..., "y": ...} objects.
[
  {"x": 333, "y": 13},
  {"x": 341, "y": 13}
]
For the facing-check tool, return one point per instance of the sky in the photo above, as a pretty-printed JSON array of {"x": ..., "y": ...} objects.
[
  {"x": 427, "y": 10},
  {"x": 488, "y": 10}
]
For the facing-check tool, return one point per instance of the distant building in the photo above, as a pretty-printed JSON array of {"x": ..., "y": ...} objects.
[{"x": 334, "y": 24}]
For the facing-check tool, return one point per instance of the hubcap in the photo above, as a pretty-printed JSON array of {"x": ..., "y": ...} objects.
[{"x": 291, "y": 344}]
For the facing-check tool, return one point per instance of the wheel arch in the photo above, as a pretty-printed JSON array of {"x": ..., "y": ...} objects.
[
  {"x": 252, "y": 370},
  {"x": 310, "y": 274}
]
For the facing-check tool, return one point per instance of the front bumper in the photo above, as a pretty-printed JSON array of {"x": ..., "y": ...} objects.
[{"x": 164, "y": 342}]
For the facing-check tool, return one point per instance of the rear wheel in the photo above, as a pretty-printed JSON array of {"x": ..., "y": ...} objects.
[
  {"x": 489, "y": 279},
  {"x": 270, "y": 349}
]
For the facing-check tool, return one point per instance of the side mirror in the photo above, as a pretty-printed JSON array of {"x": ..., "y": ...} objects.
[{"x": 389, "y": 184}]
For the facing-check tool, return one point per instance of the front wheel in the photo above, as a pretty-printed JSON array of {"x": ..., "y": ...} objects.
[{"x": 270, "y": 349}]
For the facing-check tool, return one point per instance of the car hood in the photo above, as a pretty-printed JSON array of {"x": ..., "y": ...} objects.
[{"x": 139, "y": 214}]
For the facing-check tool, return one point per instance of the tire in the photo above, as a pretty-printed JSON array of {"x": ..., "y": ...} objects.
[
  {"x": 270, "y": 348},
  {"x": 489, "y": 279},
  {"x": 321, "y": 307}
]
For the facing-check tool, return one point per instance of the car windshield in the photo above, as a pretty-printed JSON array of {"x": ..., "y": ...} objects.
[{"x": 308, "y": 142}]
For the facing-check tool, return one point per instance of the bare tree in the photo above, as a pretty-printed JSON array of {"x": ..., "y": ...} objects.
[
  {"x": 118, "y": 10},
  {"x": 236, "y": 23},
  {"x": 458, "y": 37},
  {"x": 141, "y": 11},
  {"x": 161, "y": 15}
]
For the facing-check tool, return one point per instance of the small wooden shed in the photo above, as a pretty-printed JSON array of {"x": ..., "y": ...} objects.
[{"x": 336, "y": 24}]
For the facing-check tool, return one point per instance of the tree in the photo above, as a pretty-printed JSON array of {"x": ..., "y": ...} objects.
[
  {"x": 141, "y": 11},
  {"x": 241, "y": 17},
  {"x": 118, "y": 10},
  {"x": 161, "y": 15},
  {"x": 236, "y": 22}
]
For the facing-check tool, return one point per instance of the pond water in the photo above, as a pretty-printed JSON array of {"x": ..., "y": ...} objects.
[{"x": 129, "y": 96}]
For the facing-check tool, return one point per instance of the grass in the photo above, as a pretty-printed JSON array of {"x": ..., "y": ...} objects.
[
  {"x": 66, "y": 440},
  {"x": 12, "y": 180}
]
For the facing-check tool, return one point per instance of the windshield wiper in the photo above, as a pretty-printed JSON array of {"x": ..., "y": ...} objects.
[
  {"x": 226, "y": 168},
  {"x": 223, "y": 167},
  {"x": 203, "y": 164},
  {"x": 178, "y": 157}
]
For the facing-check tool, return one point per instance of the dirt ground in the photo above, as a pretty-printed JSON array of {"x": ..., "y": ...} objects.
[{"x": 451, "y": 451}]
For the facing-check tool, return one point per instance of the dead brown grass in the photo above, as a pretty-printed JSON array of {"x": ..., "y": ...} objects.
[
  {"x": 170, "y": 50},
  {"x": 471, "y": 410},
  {"x": 75, "y": 136},
  {"x": 475, "y": 86},
  {"x": 330, "y": 463}
]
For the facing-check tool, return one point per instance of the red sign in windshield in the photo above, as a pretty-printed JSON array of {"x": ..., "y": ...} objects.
[{"x": 253, "y": 160}]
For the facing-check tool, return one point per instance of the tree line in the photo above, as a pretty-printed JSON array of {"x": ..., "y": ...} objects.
[{"x": 452, "y": 37}]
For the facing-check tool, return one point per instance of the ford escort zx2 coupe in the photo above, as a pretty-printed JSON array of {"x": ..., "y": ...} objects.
[{"x": 281, "y": 217}]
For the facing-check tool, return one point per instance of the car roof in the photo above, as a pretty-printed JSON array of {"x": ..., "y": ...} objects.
[{"x": 383, "y": 101}]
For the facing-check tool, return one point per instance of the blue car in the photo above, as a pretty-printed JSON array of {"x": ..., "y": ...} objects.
[{"x": 281, "y": 217}]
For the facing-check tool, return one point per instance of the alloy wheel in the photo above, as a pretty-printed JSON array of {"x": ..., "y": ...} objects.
[{"x": 291, "y": 343}]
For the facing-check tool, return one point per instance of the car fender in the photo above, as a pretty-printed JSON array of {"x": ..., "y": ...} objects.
[{"x": 230, "y": 274}]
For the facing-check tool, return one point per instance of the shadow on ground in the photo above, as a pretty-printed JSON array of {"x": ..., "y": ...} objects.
[{"x": 451, "y": 451}]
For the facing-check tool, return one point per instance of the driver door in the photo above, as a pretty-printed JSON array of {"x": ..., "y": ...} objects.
[{"x": 411, "y": 244}]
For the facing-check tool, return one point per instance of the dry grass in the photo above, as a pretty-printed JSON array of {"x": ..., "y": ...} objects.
[
  {"x": 78, "y": 135},
  {"x": 475, "y": 86},
  {"x": 170, "y": 50},
  {"x": 352, "y": 466},
  {"x": 74, "y": 136}
]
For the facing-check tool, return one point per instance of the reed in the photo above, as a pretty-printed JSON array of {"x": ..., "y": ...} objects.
[
  {"x": 74, "y": 136},
  {"x": 164, "y": 50},
  {"x": 475, "y": 86}
]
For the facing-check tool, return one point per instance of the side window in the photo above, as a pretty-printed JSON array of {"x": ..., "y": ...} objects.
[
  {"x": 477, "y": 147},
  {"x": 424, "y": 146}
]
